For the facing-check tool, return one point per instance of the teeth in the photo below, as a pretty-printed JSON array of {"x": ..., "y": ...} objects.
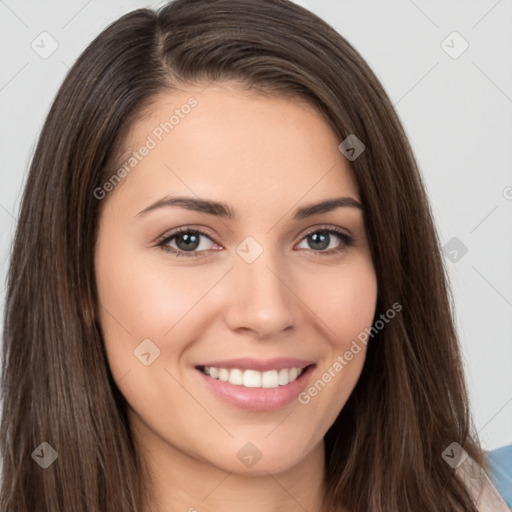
[
  {"x": 269, "y": 379},
  {"x": 236, "y": 377},
  {"x": 254, "y": 378}
]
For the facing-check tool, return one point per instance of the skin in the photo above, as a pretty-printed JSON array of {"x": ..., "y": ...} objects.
[{"x": 265, "y": 157}]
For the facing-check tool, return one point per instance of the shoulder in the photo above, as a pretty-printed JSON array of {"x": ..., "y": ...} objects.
[{"x": 485, "y": 495}]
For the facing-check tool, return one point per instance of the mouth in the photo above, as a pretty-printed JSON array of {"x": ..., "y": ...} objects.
[
  {"x": 254, "y": 378},
  {"x": 256, "y": 390}
]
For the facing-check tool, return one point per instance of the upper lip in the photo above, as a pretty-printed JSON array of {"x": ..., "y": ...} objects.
[{"x": 248, "y": 363}]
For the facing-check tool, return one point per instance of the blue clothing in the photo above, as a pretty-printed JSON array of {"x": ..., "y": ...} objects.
[{"x": 500, "y": 466}]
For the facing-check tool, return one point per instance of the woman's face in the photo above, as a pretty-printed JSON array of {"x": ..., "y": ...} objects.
[{"x": 268, "y": 288}]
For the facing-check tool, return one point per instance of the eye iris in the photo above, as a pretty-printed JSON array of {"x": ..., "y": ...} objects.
[
  {"x": 322, "y": 240},
  {"x": 191, "y": 241}
]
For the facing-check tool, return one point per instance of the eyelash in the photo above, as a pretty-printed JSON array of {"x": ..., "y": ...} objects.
[{"x": 347, "y": 241}]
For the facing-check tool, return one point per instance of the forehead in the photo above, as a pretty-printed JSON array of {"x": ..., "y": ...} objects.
[{"x": 239, "y": 145}]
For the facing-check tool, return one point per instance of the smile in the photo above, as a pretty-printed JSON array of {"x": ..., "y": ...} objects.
[
  {"x": 254, "y": 390},
  {"x": 254, "y": 378}
]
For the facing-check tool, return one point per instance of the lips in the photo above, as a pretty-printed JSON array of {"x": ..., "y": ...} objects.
[{"x": 254, "y": 394}]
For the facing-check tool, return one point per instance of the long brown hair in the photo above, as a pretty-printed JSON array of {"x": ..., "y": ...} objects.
[{"x": 384, "y": 450}]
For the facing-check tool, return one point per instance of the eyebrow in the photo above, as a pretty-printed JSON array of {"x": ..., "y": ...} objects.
[{"x": 223, "y": 210}]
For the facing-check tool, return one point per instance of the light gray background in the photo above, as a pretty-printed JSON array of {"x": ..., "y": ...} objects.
[{"x": 457, "y": 113}]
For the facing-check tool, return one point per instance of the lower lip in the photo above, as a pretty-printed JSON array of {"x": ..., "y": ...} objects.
[{"x": 258, "y": 399}]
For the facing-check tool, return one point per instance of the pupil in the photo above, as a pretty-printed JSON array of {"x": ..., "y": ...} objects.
[
  {"x": 322, "y": 240},
  {"x": 189, "y": 239}
]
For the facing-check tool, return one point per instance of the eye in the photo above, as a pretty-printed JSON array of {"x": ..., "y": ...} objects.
[
  {"x": 187, "y": 241},
  {"x": 320, "y": 238}
]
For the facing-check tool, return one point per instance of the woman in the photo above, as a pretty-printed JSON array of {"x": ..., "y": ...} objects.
[{"x": 226, "y": 289}]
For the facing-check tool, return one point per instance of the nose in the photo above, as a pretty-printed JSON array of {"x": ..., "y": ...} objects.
[{"x": 260, "y": 298}]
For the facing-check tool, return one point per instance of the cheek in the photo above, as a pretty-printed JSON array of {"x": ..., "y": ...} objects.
[
  {"x": 140, "y": 292},
  {"x": 345, "y": 305},
  {"x": 142, "y": 297},
  {"x": 345, "y": 301}
]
